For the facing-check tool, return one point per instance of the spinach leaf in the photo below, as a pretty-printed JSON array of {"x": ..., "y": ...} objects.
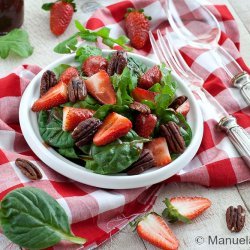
[
  {"x": 84, "y": 52},
  {"x": 136, "y": 67},
  {"x": 50, "y": 127},
  {"x": 33, "y": 219},
  {"x": 104, "y": 110},
  {"x": 70, "y": 44},
  {"x": 123, "y": 85},
  {"x": 60, "y": 69},
  {"x": 185, "y": 129},
  {"x": 116, "y": 156},
  {"x": 68, "y": 153},
  {"x": 16, "y": 41}
]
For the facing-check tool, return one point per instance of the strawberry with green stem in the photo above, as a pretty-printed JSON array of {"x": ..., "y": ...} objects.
[
  {"x": 137, "y": 27},
  {"x": 61, "y": 13}
]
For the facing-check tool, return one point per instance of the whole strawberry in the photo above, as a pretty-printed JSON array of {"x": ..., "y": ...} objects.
[
  {"x": 61, "y": 13},
  {"x": 137, "y": 27}
]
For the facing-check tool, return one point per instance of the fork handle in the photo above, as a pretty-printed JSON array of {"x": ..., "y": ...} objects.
[
  {"x": 242, "y": 81},
  {"x": 238, "y": 136}
]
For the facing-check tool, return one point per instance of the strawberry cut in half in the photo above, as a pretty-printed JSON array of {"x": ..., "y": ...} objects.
[
  {"x": 150, "y": 77},
  {"x": 184, "y": 108},
  {"x": 100, "y": 87},
  {"x": 155, "y": 230},
  {"x": 185, "y": 208},
  {"x": 55, "y": 96},
  {"x": 73, "y": 116},
  {"x": 159, "y": 149},
  {"x": 94, "y": 64},
  {"x": 114, "y": 126},
  {"x": 68, "y": 74},
  {"x": 145, "y": 124},
  {"x": 140, "y": 95}
]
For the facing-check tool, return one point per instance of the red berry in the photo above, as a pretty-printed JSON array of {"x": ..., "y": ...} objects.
[
  {"x": 94, "y": 64},
  {"x": 60, "y": 16},
  {"x": 68, "y": 74},
  {"x": 137, "y": 27},
  {"x": 148, "y": 79},
  {"x": 145, "y": 124},
  {"x": 114, "y": 126}
]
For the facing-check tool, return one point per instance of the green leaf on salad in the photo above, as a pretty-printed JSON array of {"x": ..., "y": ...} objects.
[
  {"x": 123, "y": 85},
  {"x": 60, "y": 69},
  {"x": 68, "y": 153},
  {"x": 16, "y": 41},
  {"x": 85, "y": 52},
  {"x": 185, "y": 129},
  {"x": 70, "y": 44},
  {"x": 50, "y": 127},
  {"x": 136, "y": 67},
  {"x": 34, "y": 220},
  {"x": 116, "y": 156}
]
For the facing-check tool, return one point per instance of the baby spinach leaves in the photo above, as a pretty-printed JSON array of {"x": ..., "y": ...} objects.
[
  {"x": 116, "y": 156},
  {"x": 50, "y": 127},
  {"x": 33, "y": 219}
]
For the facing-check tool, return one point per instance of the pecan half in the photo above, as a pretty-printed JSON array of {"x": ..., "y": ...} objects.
[
  {"x": 178, "y": 102},
  {"x": 145, "y": 162},
  {"x": 140, "y": 107},
  {"x": 28, "y": 169},
  {"x": 175, "y": 141},
  {"x": 235, "y": 218},
  {"x": 117, "y": 63},
  {"x": 77, "y": 89},
  {"x": 85, "y": 131},
  {"x": 48, "y": 80}
]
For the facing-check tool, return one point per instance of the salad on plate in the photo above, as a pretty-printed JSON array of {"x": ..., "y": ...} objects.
[{"x": 112, "y": 114}]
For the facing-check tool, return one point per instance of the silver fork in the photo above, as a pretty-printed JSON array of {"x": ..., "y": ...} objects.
[{"x": 167, "y": 53}]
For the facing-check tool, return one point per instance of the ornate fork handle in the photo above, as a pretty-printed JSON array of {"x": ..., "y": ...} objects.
[
  {"x": 242, "y": 81},
  {"x": 238, "y": 136}
]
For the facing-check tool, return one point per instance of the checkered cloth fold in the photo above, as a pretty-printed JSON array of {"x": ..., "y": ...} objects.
[{"x": 97, "y": 214}]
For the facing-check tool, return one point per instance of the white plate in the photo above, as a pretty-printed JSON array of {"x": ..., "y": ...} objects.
[{"x": 29, "y": 126}]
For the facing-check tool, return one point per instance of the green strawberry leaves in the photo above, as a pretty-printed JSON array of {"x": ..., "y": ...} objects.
[
  {"x": 172, "y": 213},
  {"x": 48, "y": 6}
]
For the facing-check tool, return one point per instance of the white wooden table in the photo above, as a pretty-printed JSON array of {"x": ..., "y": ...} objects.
[{"x": 213, "y": 221}]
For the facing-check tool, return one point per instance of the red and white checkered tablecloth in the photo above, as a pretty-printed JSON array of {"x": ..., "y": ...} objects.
[{"x": 95, "y": 213}]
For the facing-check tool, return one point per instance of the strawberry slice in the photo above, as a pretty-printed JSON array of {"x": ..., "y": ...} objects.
[
  {"x": 145, "y": 124},
  {"x": 55, "y": 96},
  {"x": 94, "y": 64},
  {"x": 114, "y": 126},
  {"x": 140, "y": 94},
  {"x": 100, "y": 87},
  {"x": 150, "y": 77},
  {"x": 185, "y": 208},
  {"x": 73, "y": 116},
  {"x": 155, "y": 230},
  {"x": 184, "y": 108},
  {"x": 159, "y": 149},
  {"x": 68, "y": 74}
]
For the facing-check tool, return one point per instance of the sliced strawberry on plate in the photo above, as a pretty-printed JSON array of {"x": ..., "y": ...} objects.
[
  {"x": 94, "y": 64},
  {"x": 155, "y": 230},
  {"x": 100, "y": 87},
  {"x": 150, "y": 77},
  {"x": 184, "y": 108},
  {"x": 55, "y": 96},
  {"x": 185, "y": 208},
  {"x": 68, "y": 74},
  {"x": 114, "y": 126},
  {"x": 73, "y": 116},
  {"x": 145, "y": 124},
  {"x": 159, "y": 149},
  {"x": 140, "y": 94}
]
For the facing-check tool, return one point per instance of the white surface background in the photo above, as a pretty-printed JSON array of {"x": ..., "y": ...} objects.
[{"x": 213, "y": 221}]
